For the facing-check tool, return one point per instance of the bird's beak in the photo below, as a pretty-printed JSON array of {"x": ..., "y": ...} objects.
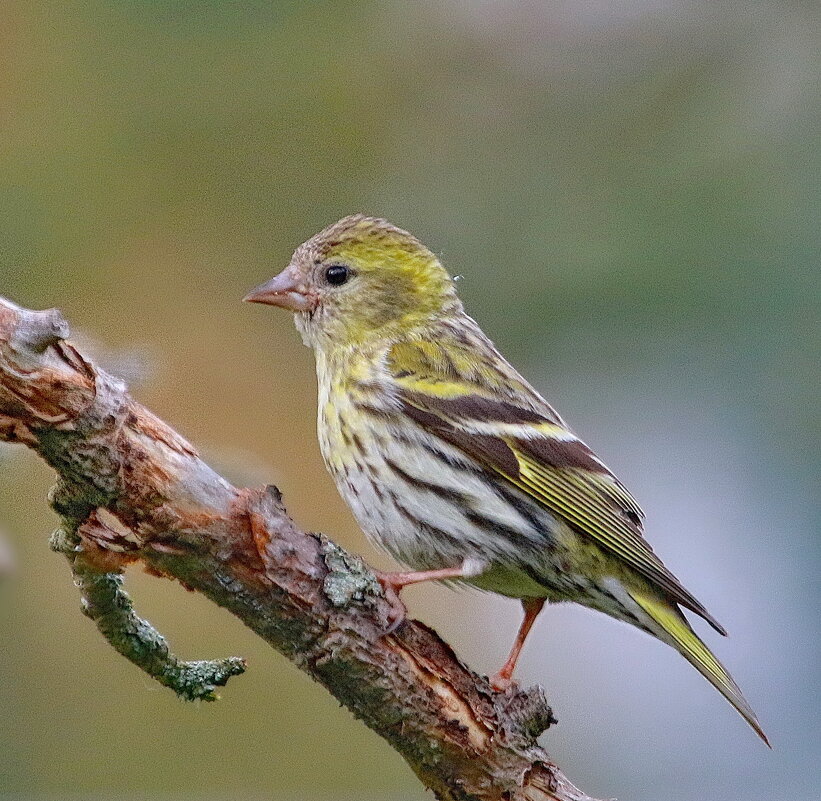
[{"x": 285, "y": 290}]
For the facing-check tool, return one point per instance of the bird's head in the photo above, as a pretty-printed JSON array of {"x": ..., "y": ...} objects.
[{"x": 360, "y": 280}]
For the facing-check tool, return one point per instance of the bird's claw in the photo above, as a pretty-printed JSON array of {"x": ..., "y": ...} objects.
[
  {"x": 501, "y": 682},
  {"x": 397, "y": 613}
]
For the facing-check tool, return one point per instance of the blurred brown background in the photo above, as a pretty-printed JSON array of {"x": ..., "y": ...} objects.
[{"x": 631, "y": 192}]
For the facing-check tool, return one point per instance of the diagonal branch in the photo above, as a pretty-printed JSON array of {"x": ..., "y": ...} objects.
[{"x": 130, "y": 488}]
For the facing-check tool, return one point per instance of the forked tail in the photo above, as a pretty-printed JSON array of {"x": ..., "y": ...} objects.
[{"x": 682, "y": 637}]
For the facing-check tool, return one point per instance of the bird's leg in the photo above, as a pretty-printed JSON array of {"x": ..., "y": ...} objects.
[
  {"x": 396, "y": 581},
  {"x": 393, "y": 583},
  {"x": 532, "y": 606}
]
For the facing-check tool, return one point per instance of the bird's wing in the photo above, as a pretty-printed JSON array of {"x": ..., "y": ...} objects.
[{"x": 517, "y": 435}]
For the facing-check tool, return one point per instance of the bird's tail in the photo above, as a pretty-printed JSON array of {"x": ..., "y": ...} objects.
[{"x": 677, "y": 632}]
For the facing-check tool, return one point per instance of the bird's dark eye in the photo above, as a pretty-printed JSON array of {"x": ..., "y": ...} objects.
[{"x": 337, "y": 274}]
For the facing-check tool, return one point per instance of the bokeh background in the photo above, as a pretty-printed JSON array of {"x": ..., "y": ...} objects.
[{"x": 630, "y": 190}]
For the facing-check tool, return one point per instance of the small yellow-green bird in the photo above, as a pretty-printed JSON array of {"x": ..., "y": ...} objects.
[{"x": 452, "y": 462}]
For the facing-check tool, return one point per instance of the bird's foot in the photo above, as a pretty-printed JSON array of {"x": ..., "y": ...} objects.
[
  {"x": 391, "y": 584},
  {"x": 501, "y": 681}
]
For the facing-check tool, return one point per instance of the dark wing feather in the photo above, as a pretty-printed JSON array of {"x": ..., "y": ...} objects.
[{"x": 543, "y": 459}]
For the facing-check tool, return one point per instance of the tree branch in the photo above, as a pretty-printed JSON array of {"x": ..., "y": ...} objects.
[{"x": 130, "y": 488}]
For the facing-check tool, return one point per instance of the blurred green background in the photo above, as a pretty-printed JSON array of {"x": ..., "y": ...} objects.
[{"x": 630, "y": 190}]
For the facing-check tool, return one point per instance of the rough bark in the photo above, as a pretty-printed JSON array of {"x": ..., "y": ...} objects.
[{"x": 130, "y": 488}]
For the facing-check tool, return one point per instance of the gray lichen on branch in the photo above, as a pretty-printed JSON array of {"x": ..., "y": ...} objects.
[
  {"x": 349, "y": 578},
  {"x": 130, "y": 489}
]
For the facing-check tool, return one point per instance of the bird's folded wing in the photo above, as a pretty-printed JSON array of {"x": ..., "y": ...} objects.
[{"x": 533, "y": 450}]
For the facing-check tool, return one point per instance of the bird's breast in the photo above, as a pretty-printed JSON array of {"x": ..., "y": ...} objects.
[{"x": 415, "y": 495}]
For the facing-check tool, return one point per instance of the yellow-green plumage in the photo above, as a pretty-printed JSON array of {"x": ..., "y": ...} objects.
[{"x": 450, "y": 460}]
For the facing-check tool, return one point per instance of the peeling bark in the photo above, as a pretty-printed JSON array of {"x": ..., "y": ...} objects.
[{"x": 131, "y": 489}]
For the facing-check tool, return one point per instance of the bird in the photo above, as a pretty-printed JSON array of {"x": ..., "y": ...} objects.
[{"x": 453, "y": 463}]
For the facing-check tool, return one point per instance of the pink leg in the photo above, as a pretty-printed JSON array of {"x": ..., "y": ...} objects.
[
  {"x": 399, "y": 580},
  {"x": 392, "y": 583},
  {"x": 532, "y": 606}
]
